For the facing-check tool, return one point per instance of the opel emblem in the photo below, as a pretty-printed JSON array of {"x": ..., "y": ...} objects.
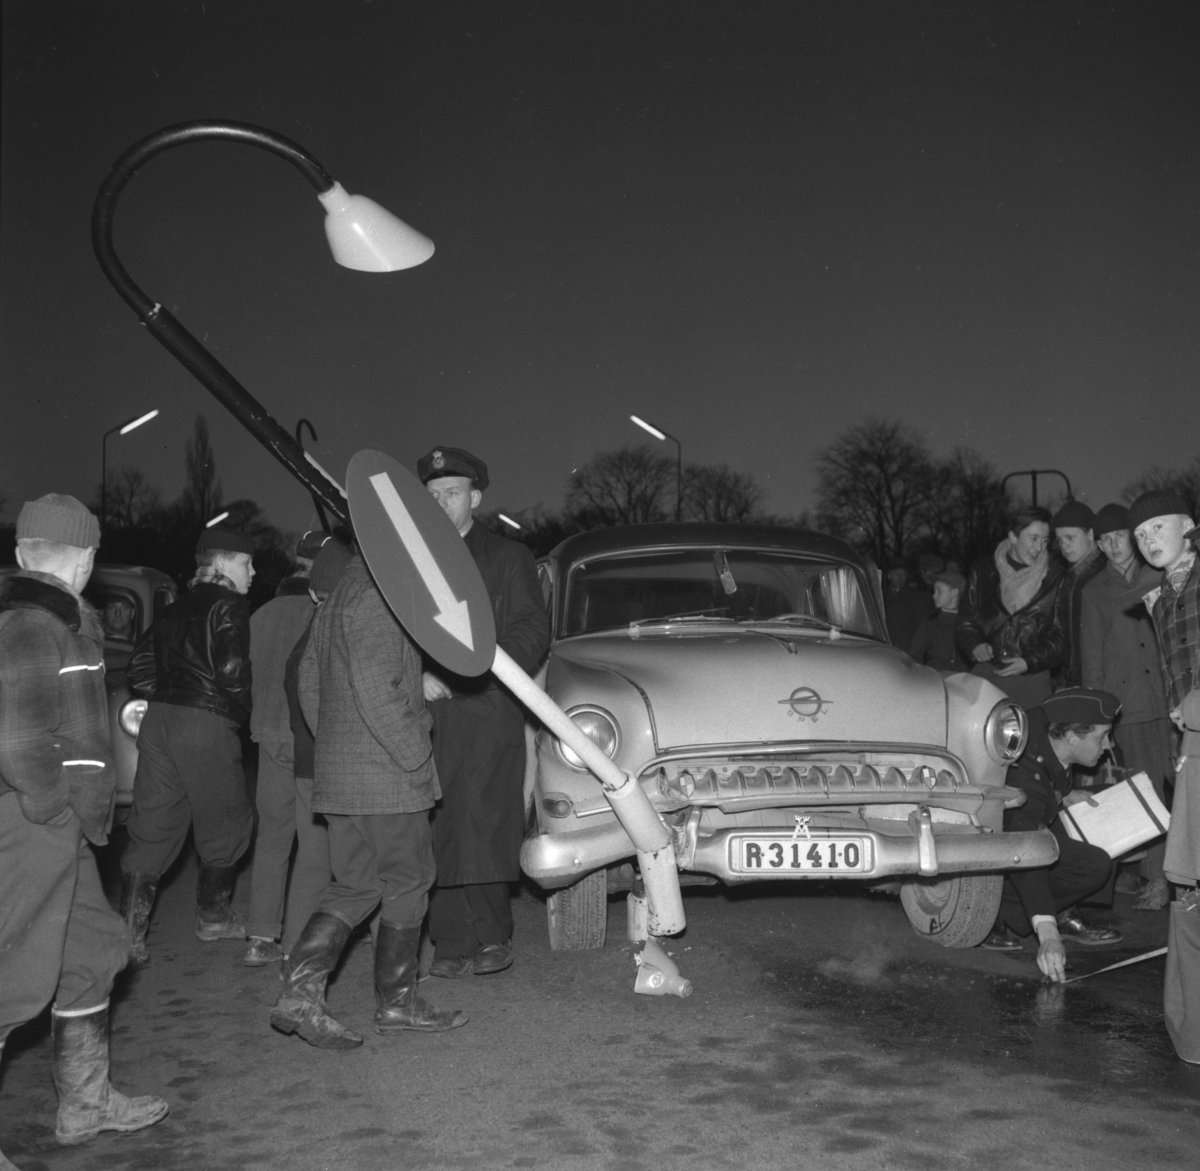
[{"x": 806, "y": 702}]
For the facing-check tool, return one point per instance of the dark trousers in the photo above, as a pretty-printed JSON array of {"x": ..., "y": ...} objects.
[
  {"x": 189, "y": 773},
  {"x": 462, "y": 919},
  {"x": 1081, "y": 870},
  {"x": 58, "y": 935},
  {"x": 380, "y": 860}
]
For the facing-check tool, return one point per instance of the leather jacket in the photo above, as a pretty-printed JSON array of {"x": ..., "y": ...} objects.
[
  {"x": 197, "y": 654},
  {"x": 1030, "y": 633}
]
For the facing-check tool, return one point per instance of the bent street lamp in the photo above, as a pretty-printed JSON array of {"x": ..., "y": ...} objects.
[
  {"x": 361, "y": 234},
  {"x": 659, "y": 433},
  {"x": 119, "y": 429}
]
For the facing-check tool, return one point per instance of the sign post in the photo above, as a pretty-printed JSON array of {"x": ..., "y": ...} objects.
[{"x": 431, "y": 582}]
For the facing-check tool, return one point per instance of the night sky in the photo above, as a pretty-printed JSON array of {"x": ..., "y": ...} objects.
[{"x": 751, "y": 223}]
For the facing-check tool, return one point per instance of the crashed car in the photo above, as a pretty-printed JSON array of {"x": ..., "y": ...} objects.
[
  {"x": 743, "y": 675},
  {"x": 128, "y": 598}
]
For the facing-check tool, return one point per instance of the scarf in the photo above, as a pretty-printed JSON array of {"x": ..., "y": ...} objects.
[
  {"x": 1019, "y": 585},
  {"x": 206, "y": 573}
]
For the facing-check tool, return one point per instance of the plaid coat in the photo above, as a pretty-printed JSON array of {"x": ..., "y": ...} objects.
[
  {"x": 1176, "y": 617},
  {"x": 360, "y": 689},
  {"x": 54, "y": 738}
]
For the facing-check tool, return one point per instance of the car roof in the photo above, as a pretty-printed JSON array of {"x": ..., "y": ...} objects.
[{"x": 621, "y": 538}]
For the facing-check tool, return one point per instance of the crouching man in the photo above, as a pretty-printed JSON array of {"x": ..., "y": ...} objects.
[
  {"x": 58, "y": 936},
  {"x": 360, "y": 689},
  {"x": 1073, "y": 726}
]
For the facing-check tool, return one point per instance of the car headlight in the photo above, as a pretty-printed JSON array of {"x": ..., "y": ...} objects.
[
  {"x": 130, "y": 717},
  {"x": 599, "y": 727},
  {"x": 1005, "y": 732}
]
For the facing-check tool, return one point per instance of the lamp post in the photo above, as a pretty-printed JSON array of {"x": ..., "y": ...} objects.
[
  {"x": 659, "y": 433},
  {"x": 1033, "y": 475},
  {"x": 361, "y": 234},
  {"x": 119, "y": 429}
]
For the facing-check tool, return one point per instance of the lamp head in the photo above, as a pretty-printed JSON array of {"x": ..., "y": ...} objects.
[{"x": 367, "y": 237}]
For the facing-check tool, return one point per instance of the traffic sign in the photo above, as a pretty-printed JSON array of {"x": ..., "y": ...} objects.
[{"x": 421, "y": 564}]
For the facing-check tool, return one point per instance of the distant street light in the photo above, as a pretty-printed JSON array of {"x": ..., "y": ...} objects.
[
  {"x": 508, "y": 520},
  {"x": 361, "y": 234},
  {"x": 216, "y": 520},
  {"x": 1033, "y": 475},
  {"x": 119, "y": 429},
  {"x": 659, "y": 433}
]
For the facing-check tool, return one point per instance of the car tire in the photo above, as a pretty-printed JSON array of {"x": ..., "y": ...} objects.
[
  {"x": 956, "y": 911},
  {"x": 577, "y": 915}
]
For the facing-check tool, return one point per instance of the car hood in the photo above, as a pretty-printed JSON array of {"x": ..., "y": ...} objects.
[{"x": 738, "y": 686}]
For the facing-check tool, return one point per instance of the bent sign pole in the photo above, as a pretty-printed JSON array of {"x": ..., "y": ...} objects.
[{"x": 425, "y": 571}]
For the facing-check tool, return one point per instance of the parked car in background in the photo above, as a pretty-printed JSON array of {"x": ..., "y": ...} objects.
[
  {"x": 129, "y": 599},
  {"x": 742, "y": 673}
]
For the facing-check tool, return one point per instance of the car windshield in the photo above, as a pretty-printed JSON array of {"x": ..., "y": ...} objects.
[{"x": 698, "y": 585}]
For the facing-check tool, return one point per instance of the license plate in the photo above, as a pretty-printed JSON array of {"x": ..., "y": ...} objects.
[{"x": 808, "y": 855}]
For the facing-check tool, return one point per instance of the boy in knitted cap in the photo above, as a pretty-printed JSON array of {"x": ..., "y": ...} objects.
[
  {"x": 1074, "y": 525},
  {"x": 193, "y": 665},
  {"x": 58, "y": 936}
]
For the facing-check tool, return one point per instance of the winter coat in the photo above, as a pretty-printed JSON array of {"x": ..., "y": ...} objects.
[
  {"x": 275, "y": 629},
  {"x": 54, "y": 738},
  {"x": 1068, "y": 614},
  {"x": 198, "y": 654},
  {"x": 1119, "y": 653},
  {"x": 934, "y": 645},
  {"x": 1030, "y": 633},
  {"x": 360, "y": 689}
]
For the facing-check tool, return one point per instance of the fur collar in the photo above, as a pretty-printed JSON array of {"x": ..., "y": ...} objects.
[{"x": 40, "y": 591}]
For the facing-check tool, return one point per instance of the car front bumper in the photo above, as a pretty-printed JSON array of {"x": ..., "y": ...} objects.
[{"x": 920, "y": 847}]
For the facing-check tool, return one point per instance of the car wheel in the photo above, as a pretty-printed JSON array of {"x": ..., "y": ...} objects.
[
  {"x": 577, "y": 915},
  {"x": 955, "y": 912}
]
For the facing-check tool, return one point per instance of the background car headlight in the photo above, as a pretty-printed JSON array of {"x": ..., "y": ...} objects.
[
  {"x": 131, "y": 715},
  {"x": 599, "y": 727},
  {"x": 1005, "y": 732}
]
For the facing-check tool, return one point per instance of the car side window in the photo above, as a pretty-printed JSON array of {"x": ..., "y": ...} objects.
[{"x": 163, "y": 597}]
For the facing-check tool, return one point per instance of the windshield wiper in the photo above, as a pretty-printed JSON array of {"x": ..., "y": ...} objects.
[
  {"x": 712, "y": 614},
  {"x": 801, "y": 619}
]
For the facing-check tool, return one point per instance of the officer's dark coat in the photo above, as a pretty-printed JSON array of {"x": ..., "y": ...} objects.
[
  {"x": 1045, "y": 781},
  {"x": 479, "y": 733}
]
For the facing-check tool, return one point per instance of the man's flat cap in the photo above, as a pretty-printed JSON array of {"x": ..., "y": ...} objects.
[
  {"x": 452, "y": 461},
  {"x": 310, "y": 544},
  {"x": 1074, "y": 515},
  {"x": 955, "y": 581},
  {"x": 1081, "y": 705}
]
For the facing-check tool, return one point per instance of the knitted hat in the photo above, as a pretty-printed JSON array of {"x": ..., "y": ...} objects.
[
  {"x": 1080, "y": 705},
  {"x": 1112, "y": 518},
  {"x": 55, "y": 517},
  {"x": 1159, "y": 502},
  {"x": 226, "y": 540},
  {"x": 329, "y": 565},
  {"x": 1074, "y": 515},
  {"x": 452, "y": 461}
]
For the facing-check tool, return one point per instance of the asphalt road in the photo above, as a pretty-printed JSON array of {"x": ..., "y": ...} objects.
[{"x": 822, "y": 1033}]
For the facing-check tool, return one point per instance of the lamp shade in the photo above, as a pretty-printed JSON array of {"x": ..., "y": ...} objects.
[{"x": 367, "y": 237}]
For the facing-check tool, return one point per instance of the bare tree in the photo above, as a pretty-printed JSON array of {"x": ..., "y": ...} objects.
[
  {"x": 716, "y": 493},
  {"x": 1185, "y": 481},
  {"x": 876, "y": 479},
  {"x": 966, "y": 514},
  {"x": 131, "y": 501},
  {"x": 201, "y": 499},
  {"x": 629, "y": 486}
]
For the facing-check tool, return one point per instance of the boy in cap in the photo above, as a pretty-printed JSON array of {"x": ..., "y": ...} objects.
[
  {"x": 1071, "y": 727},
  {"x": 193, "y": 665},
  {"x": 479, "y": 741},
  {"x": 1119, "y": 653},
  {"x": 58, "y": 936},
  {"x": 1165, "y": 530},
  {"x": 274, "y": 630},
  {"x": 1074, "y": 525},
  {"x": 934, "y": 643}
]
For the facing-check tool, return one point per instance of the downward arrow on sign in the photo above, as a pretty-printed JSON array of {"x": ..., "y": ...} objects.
[{"x": 452, "y": 615}]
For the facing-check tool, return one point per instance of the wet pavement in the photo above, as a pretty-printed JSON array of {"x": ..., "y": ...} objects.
[{"x": 822, "y": 1033}]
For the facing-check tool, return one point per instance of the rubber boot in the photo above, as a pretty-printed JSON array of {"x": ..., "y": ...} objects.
[
  {"x": 396, "y": 970},
  {"x": 137, "y": 900},
  {"x": 301, "y": 1005},
  {"x": 5, "y": 1165},
  {"x": 87, "y": 1103},
  {"x": 215, "y": 918}
]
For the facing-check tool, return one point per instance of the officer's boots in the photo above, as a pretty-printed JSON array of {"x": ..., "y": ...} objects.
[
  {"x": 137, "y": 901},
  {"x": 87, "y": 1103},
  {"x": 301, "y": 1005},
  {"x": 397, "y": 1004},
  {"x": 215, "y": 918}
]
